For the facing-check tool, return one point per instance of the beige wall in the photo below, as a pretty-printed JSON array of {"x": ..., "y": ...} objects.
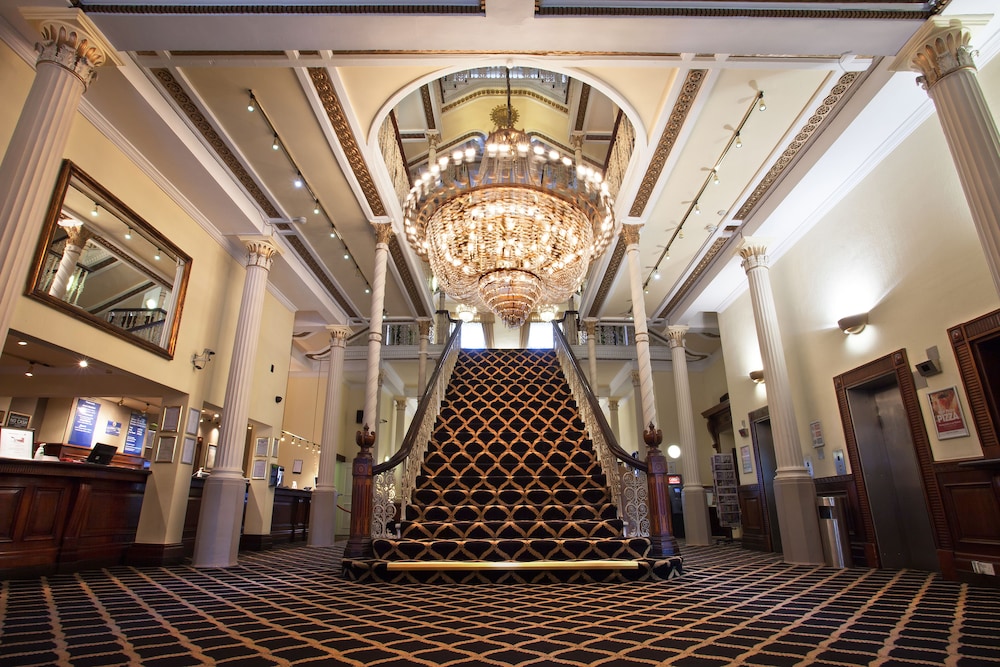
[{"x": 901, "y": 246}]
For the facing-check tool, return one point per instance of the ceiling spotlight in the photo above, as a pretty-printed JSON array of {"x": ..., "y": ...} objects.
[
  {"x": 95, "y": 212},
  {"x": 656, "y": 274},
  {"x": 368, "y": 290},
  {"x": 297, "y": 181},
  {"x": 128, "y": 234},
  {"x": 31, "y": 370},
  {"x": 252, "y": 103},
  {"x": 667, "y": 255},
  {"x": 757, "y": 377},
  {"x": 333, "y": 233},
  {"x": 157, "y": 255},
  {"x": 761, "y": 106},
  {"x": 22, "y": 342},
  {"x": 739, "y": 142},
  {"x": 121, "y": 403},
  {"x": 347, "y": 255},
  {"x": 274, "y": 144},
  {"x": 83, "y": 363},
  {"x": 315, "y": 206},
  {"x": 697, "y": 209},
  {"x": 715, "y": 176},
  {"x": 854, "y": 324}
]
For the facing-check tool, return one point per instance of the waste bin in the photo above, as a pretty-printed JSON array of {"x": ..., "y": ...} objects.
[{"x": 833, "y": 531}]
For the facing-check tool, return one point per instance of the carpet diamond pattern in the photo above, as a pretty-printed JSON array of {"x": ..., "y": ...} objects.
[{"x": 510, "y": 475}]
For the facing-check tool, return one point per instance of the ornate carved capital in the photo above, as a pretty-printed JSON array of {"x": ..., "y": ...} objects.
[
  {"x": 433, "y": 138},
  {"x": 338, "y": 334},
  {"x": 424, "y": 325},
  {"x": 590, "y": 326},
  {"x": 613, "y": 405},
  {"x": 71, "y": 41},
  {"x": 260, "y": 252},
  {"x": 630, "y": 234},
  {"x": 383, "y": 232},
  {"x": 635, "y": 378},
  {"x": 944, "y": 52},
  {"x": 754, "y": 253},
  {"x": 675, "y": 334},
  {"x": 400, "y": 403},
  {"x": 78, "y": 236},
  {"x": 576, "y": 140}
]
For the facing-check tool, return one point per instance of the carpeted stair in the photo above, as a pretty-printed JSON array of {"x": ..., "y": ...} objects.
[{"x": 510, "y": 488}]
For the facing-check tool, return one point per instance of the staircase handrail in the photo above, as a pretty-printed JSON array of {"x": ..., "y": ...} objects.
[
  {"x": 626, "y": 475},
  {"x": 595, "y": 406}
]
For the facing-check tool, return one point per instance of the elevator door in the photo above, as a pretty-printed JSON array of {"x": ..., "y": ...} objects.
[
  {"x": 767, "y": 465},
  {"x": 892, "y": 476}
]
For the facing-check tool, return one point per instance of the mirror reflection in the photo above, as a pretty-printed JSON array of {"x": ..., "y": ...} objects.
[{"x": 101, "y": 262}]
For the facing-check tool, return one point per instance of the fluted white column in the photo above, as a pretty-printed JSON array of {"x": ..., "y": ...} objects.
[
  {"x": 323, "y": 507},
  {"x": 590, "y": 325},
  {"x": 613, "y": 418},
  {"x": 77, "y": 237},
  {"x": 70, "y": 50},
  {"x": 383, "y": 232},
  {"x": 218, "y": 540},
  {"x": 697, "y": 527},
  {"x": 631, "y": 235},
  {"x": 637, "y": 401},
  {"x": 794, "y": 490},
  {"x": 942, "y": 54},
  {"x": 425, "y": 338},
  {"x": 400, "y": 419}
]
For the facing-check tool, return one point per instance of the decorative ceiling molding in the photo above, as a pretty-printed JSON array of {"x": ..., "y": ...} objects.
[
  {"x": 166, "y": 79},
  {"x": 706, "y": 261},
  {"x": 678, "y": 115},
  {"x": 617, "y": 255},
  {"x": 581, "y": 109},
  {"x": 501, "y": 92},
  {"x": 863, "y": 9},
  {"x": 284, "y": 8},
  {"x": 338, "y": 119},
  {"x": 399, "y": 258},
  {"x": 838, "y": 94}
]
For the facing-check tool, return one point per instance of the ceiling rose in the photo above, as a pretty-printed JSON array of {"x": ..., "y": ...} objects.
[{"x": 510, "y": 228}]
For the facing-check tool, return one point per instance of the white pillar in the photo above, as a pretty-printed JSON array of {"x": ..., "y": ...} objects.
[
  {"x": 631, "y": 235},
  {"x": 383, "y": 232},
  {"x": 400, "y": 418},
  {"x": 590, "y": 325},
  {"x": 940, "y": 51},
  {"x": 70, "y": 51},
  {"x": 77, "y": 237},
  {"x": 637, "y": 401},
  {"x": 613, "y": 418},
  {"x": 323, "y": 507},
  {"x": 794, "y": 490},
  {"x": 697, "y": 527},
  {"x": 218, "y": 540},
  {"x": 425, "y": 338},
  {"x": 441, "y": 330}
]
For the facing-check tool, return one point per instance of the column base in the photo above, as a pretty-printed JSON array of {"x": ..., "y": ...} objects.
[
  {"x": 697, "y": 526},
  {"x": 322, "y": 515},
  {"x": 220, "y": 522},
  {"x": 798, "y": 521}
]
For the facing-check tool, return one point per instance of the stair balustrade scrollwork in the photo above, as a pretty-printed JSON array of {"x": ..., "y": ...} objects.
[
  {"x": 402, "y": 469},
  {"x": 626, "y": 475}
]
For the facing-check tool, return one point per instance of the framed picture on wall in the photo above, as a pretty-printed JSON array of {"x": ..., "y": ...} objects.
[
  {"x": 165, "y": 449},
  {"x": 745, "y": 459},
  {"x": 171, "y": 418},
  {"x": 194, "y": 417},
  {"x": 259, "y": 470},
  {"x": 260, "y": 446},
  {"x": 187, "y": 452},
  {"x": 274, "y": 448},
  {"x": 18, "y": 420},
  {"x": 210, "y": 457},
  {"x": 297, "y": 466},
  {"x": 949, "y": 419}
]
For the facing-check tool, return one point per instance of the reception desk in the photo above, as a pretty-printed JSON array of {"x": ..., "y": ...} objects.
[{"x": 58, "y": 516}]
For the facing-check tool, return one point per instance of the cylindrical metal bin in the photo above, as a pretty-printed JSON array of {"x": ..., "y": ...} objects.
[{"x": 833, "y": 531}]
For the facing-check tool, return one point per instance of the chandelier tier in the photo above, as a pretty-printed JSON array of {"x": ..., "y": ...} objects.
[{"x": 515, "y": 228}]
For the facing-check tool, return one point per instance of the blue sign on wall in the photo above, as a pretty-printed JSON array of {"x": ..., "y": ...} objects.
[
  {"x": 136, "y": 433},
  {"x": 84, "y": 421}
]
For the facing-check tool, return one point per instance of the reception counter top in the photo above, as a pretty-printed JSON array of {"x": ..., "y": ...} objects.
[{"x": 59, "y": 517}]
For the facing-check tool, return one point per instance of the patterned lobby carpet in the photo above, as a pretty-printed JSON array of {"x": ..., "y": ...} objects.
[{"x": 290, "y": 607}]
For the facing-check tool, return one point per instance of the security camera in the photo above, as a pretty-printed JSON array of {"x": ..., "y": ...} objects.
[
  {"x": 199, "y": 361},
  {"x": 277, "y": 399},
  {"x": 209, "y": 352}
]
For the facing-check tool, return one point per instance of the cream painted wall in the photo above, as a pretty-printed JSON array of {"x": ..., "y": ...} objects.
[{"x": 901, "y": 246}]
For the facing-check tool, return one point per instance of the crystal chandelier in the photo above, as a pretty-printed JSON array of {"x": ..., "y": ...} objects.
[{"x": 513, "y": 227}]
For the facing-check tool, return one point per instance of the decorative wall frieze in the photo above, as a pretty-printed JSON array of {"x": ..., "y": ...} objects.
[
  {"x": 425, "y": 99},
  {"x": 581, "y": 109},
  {"x": 406, "y": 276},
  {"x": 678, "y": 115},
  {"x": 338, "y": 120},
  {"x": 502, "y": 92},
  {"x": 892, "y": 9}
]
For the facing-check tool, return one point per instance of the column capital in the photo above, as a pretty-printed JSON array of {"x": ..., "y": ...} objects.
[
  {"x": 576, "y": 139},
  {"x": 630, "y": 233},
  {"x": 675, "y": 334},
  {"x": 590, "y": 326},
  {"x": 400, "y": 403},
  {"x": 635, "y": 378},
  {"x": 433, "y": 138},
  {"x": 78, "y": 235},
  {"x": 424, "y": 326},
  {"x": 754, "y": 253},
  {"x": 339, "y": 333},
  {"x": 261, "y": 251},
  {"x": 71, "y": 40},
  {"x": 612, "y": 404},
  {"x": 940, "y": 47},
  {"x": 383, "y": 232}
]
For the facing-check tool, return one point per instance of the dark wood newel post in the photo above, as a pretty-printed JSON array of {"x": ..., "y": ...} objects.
[
  {"x": 360, "y": 543},
  {"x": 661, "y": 538}
]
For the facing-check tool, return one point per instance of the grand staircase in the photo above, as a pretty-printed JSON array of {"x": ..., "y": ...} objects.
[{"x": 510, "y": 488}]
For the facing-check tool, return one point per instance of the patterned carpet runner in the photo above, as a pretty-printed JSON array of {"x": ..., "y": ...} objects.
[{"x": 510, "y": 488}]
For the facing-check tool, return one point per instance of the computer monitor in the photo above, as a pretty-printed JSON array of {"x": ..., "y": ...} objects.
[{"x": 102, "y": 454}]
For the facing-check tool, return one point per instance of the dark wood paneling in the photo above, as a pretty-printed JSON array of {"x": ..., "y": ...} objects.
[
  {"x": 971, "y": 492},
  {"x": 290, "y": 516},
  {"x": 10, "y": 505},
  {"x": 964, "y": 339},
  {"x": 753, "y": 515}
]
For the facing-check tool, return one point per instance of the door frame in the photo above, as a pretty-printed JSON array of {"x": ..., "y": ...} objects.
[
  {"x": 895, "y": 363},
  {"x": 754, "y": 417}
]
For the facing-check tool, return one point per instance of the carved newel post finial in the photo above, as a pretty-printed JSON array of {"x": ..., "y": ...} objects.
[
  {"x": 661, "y": 540},
  {"x": 359, "y": 545}
]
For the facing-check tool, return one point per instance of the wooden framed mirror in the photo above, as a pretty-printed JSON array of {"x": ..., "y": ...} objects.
[{"x": 98, "y": 261}]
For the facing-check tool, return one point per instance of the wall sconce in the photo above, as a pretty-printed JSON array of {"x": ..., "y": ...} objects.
[
  {"x": 854, "y": 324},
  {"x": 757, "y": 377}
]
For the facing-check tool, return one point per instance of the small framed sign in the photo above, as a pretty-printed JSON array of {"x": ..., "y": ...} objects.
[
  {"x": 946, "y": 409},
  {"x": 165, "y": 449}
]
